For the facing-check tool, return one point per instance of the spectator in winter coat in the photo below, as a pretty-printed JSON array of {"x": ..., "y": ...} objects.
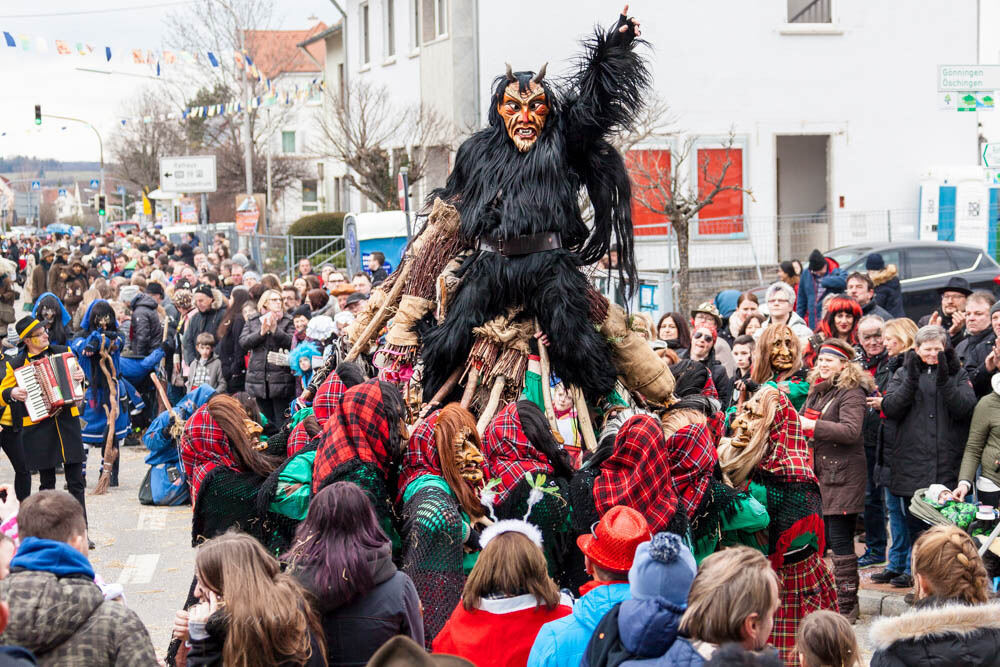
[
  {"x": 703, "y": 350},
  {"x": 59, "y": 273},
  {"x": 56, "y": 609},
  {"x": 269, "y": 331},
  {"x": 951, "y": 314},
  {"x": 861, "y": 288},
  {"x": 888, "y": 291},
  {"x": 228, "y": 334},
  {"x": 209, "y": 307},
  {"x": 507, "y": 598},
  {"x": 979, "y": 340},
  {"x": 76, "y": 285},
  {"x": 931, "y": 401},
  {"x": 146, "y": 332},
  {"x": 954, "y": 620},
  {"x": 40, "y": 274},
  {"x": 207, "y": 370},
  {"x": 983, "y": 450},
  {"x": 823, "y": 277},
  {"x": 608, "y": 555},
  {"x": 780, "y": 300},
  {"x": 344, "y": 560}
]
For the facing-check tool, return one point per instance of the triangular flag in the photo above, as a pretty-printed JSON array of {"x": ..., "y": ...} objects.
[
  {"x": 62, "y": 48},
  {"x": 9, "y": 38},
  {"x": 212, "y": 59},
  {"x": 107, "y": 53},
  {"x": 25, "y": 42},
  {"x": 137, "y": 56}
]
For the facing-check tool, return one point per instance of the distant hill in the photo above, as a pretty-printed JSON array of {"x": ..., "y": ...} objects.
[{"x": 23, "y": 163}]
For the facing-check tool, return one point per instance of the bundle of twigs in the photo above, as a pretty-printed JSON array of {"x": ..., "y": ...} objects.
[
  {"x": 110, "y": 453},
  {"x": 425, "y": 258},
  {"x": 508, "y": 340}
]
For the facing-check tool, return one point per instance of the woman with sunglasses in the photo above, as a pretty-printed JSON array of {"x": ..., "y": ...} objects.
[{"x": 703, "y": 351}]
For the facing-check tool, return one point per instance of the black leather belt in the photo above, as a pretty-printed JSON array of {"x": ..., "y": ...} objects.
[{"x": 522, "y": 245}]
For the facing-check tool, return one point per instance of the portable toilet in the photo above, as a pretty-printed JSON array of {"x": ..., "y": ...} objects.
[{"x": 385, "y": 232}]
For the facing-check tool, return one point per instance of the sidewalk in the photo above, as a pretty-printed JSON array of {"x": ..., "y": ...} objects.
[{"x": 880, "y": 599}]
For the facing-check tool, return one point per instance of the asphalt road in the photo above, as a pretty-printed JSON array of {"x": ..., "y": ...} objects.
[{"x": 146, "y": 549}]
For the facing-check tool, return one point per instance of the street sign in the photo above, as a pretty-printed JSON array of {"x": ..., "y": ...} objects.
[
  {"x": 94, "y": 183},
  {"x": 188, "y": 174},
  {"x": 993, "y": 177},
  {"x": 991, "y": 155},
  {"x": 968, "y": 77},
  {"x": 62, "y": 192},
  {"x": 36, "y": 185},
  {"x": 248, "y": 209}
]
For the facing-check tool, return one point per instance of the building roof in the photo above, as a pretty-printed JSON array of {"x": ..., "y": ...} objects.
[
  {"x": 276, "y": 52},
  {"x": 332, "y": 30}
]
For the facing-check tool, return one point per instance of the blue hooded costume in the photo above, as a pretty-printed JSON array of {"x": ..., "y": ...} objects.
[
  {"x": 94, "y": 420},
  {"x": 58, "y": 334}
]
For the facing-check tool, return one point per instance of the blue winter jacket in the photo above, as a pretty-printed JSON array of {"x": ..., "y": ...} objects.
[
  {"x": 563, "y": 642},
  {"x": 810, "y": 296},
  {"x": 649, "y": 631}
]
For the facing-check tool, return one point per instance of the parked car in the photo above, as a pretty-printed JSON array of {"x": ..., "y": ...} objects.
[{"x": 924, "y": 266}]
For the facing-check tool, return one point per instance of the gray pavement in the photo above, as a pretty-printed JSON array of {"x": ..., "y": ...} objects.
[{"x": 146, "y": 549}]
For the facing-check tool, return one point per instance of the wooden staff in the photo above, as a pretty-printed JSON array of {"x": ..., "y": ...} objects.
[
  {"x": 471, "y": 384},
  {"x": 110, "y": 453},
  {"x": 543, "y": 362},
  {"x": 491, "y": 406},
  {"x": 583, "y": 415},
  {"x": 381, "y": 316}
]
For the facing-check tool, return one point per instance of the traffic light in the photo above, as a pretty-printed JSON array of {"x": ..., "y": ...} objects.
[
  {"x": 38, "y": 114},
  {"x": 102, "y": 201}
]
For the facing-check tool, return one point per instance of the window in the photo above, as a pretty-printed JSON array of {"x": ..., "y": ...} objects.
[
  {"x": 725, "y": 214},
  {"x": 646, "y": 168},
  {"x": 965, "y": 259},
  {"x": 435, "y": 19},
  {"x": 309, "y": 195},
  {"x": 415, "y": 28},
  {"x": 288, "y": 141},
  {"x": 365, "y": 36},
  {"x": 390, "y": 28},
  {"x": 925, "y": 262},
  {"x": 810, "y": 11}
]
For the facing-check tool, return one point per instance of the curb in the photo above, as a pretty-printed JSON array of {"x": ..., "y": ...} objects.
[{"x": 877, "y": 603}]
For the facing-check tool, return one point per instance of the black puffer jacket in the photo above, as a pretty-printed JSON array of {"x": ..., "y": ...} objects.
[
  {"x": 973, "y": 351},
  {"x": 939, "y": 633},
  {"x": 266, "y": 380},
  {"x": 884, "y": 366},
  {"x": 146, "y": 332},
  {"x": 231, "y": 354},
  {"x": 932, "y": 423},
  {"x": 355, "y": 631}
]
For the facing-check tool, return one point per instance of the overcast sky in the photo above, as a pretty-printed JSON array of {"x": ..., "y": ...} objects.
[{"x": 31, "y": 78}]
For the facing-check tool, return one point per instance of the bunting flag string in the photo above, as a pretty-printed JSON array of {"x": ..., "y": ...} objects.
[{"x": 291, "y": 97}]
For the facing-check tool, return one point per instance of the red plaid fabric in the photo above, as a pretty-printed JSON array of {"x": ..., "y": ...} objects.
[
  {"x": 637, "y": 475},
  {"x": 297, "y": 439},
  {"x": 692, "y": 459},
  {"x": 328, "y": 397},
  {"x": 710, "y": 389},
  {"x": 789, "y": 455},
  {"x": 806, "y": 586},
  {"x": 358, "y": 430},
  {"x": 509, "y": 454},
  {"x": 204, "y": 446},
  {"x": 421, "y": 457}
]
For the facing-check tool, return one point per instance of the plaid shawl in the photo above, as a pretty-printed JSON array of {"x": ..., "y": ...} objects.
[
  {"x": 297, "y": 440},
  {"x": 358, "y": 430},
  {"x": 328, "y": 397},
  {"x": 692, "y": 456},
  {"x": 204, "y": 446},
  {"x": 421, "y": 457},
  {"x": 788, "y": 457},
  {"x": 508, "y": 453},
  {"x": 638, "y": 474}
]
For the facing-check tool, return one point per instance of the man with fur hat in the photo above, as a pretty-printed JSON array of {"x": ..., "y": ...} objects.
[
  {"x": 40, "y": 275},
  {"x": 76, "y": 285},
  {"x": 49, "y": 442},
  {"x": 59, "y": 273}
]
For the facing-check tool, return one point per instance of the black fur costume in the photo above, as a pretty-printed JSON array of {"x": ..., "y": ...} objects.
[{"x": 502, "y": 193}]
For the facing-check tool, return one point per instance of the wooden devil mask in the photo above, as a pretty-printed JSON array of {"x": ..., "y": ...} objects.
[{"x": 523, "y": 107}]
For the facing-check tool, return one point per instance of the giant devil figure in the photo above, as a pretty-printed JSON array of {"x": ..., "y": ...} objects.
[{"x": 516, "y": 185}]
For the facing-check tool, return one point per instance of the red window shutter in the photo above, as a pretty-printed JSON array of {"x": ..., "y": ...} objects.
[
  {"x": 646, "y": 166},
  {"x": 725, "y": 214}
]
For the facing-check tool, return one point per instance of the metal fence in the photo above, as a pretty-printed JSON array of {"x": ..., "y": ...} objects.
[{"x": 281, "y": 254}]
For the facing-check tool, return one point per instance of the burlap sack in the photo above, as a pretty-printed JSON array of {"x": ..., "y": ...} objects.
[
  {"x": 375, "y": 301},
  {"x": 642, "y": 370},
  {"x": 411, "y": 309}
]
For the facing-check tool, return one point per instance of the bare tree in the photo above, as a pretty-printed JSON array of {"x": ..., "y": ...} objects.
[
  {"x": 668, "y": 190},
  {"x": 374, "y": 138},
  {"x": 137, "y": 146}
]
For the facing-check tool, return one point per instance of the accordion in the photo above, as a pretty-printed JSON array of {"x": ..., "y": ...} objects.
[{"x": 50, "y": 384}]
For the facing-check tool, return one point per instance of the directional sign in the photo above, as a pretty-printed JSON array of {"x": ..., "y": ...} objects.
[
  {"x": 94, "y": 183},
  {"x": 991, "y": 155},
  {"x": 968, "y": 77},
  {"x": 62, "y": 192},
  {"x": 188, "y": 173},
  {"x": 36, "y": 185}
]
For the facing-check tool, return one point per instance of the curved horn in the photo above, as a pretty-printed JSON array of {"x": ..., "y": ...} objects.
[
  {"x": 540, "y": 75},
  {"x": 510, "y": 74}
]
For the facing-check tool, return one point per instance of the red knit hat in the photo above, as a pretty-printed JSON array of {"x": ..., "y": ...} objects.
[{"x": 614, "y": 539}]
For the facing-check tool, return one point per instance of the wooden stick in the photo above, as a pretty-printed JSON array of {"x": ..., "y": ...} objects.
[
  {"x": 491, "y": 406},
  {"x": 110, "y": 453},
  {"x": 583, "y": 415},
  {"x": 379, "y": 318},
  {"x": 543, "y": 362},
  {"x": 448, "y": 386},
  {"x": 471, "y": 384}
]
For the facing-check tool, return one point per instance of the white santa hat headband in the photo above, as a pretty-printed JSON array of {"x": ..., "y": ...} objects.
[{"x": 511, "y": 526}]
